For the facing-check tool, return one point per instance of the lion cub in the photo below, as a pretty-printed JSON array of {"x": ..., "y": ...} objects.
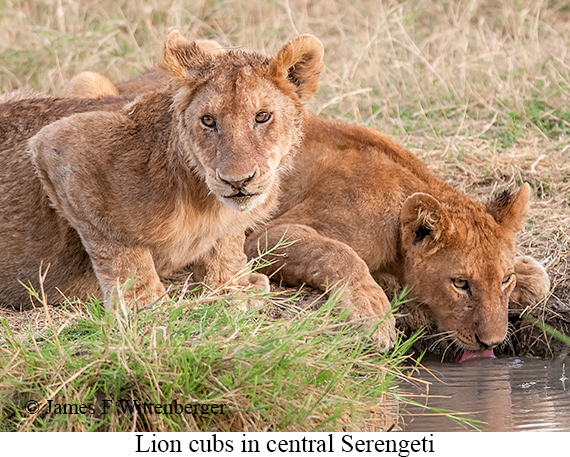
[
  {"x": 174, "y": 178},
  {"x": 359, "y": 207}
]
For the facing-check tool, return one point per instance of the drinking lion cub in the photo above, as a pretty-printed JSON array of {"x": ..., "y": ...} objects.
[
  {"x": 173, "y": 178},
  {"x": 362, "y": 206}
]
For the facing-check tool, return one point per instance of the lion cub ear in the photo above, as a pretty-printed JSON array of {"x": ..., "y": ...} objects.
[
  {"x": 181, "y": 57},
  {"x": 423, "y": 219},
  {"x": 510, "y": 209},
  {"x": 300, "y": 62}
]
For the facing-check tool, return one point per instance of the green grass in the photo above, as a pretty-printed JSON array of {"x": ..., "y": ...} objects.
[
  {"x": 548, "y": 329},
  {"x": 537, "y": 114},
  {"x": 313, "y": 372}
]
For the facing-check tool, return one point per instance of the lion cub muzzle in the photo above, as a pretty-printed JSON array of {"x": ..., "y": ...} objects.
[{"x": 241, "y": 191}]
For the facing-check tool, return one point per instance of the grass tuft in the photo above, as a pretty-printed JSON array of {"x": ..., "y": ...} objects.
[{"x": 312, "y": 372}]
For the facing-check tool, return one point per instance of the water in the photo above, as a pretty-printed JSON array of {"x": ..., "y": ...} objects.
[{"x": 508, "y": 394}]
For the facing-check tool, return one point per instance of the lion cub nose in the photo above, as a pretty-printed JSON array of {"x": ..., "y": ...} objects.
[
  {"x": 236, "y": 182},
  {"x": 490, "y": 341}
]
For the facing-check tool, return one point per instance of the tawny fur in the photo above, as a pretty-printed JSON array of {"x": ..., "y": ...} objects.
[
  {"x": 131, "y": 195},
  {"x": 89, "y": 84},
  {"x": 361, "y": 206},
  {"x": 30, "y": 229}
]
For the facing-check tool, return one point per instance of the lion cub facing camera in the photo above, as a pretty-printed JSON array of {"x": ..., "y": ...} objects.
[{"x": 176, "y": 177}]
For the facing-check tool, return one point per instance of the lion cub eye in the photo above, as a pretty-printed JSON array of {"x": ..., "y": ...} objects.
[
  {"x": 208, "y": 121},
  {"x": 460, "y": 284},
  {"x": 507, "y": 279},
  {"x": 262, "y": 116}
]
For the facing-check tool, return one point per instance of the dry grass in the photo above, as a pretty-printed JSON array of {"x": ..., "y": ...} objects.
[{"x": 480, "y": 90}]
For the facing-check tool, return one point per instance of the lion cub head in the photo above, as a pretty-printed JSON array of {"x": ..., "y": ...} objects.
[
  {"x": 240, "y": 113},
  {"x": 459, "y": 261}
]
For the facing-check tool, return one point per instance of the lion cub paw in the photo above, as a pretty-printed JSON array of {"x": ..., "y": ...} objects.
[
  {"x": 133, "y": 295},
  {"x": 532, "y": 284},
  {"x": 370, "y": 305},
  {"x": 385, "y": 334},
  {"x": 259, "y": 284}
]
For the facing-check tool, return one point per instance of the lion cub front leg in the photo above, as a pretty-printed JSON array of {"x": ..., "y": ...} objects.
[
  {"x": 125, "y": 272},
  {"x": 225, "y": 266},
  {"x": 331, "y": 266},
  {"x": 370, "y": 304}
]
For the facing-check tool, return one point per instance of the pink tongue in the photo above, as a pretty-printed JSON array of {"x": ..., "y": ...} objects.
[{"x": 473, "y": 355}]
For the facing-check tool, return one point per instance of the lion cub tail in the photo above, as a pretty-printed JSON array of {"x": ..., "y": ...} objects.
[{"x": 89, "y": 84}]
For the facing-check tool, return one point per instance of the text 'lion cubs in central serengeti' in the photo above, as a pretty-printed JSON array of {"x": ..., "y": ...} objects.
[{"x": 176, "y": 177}]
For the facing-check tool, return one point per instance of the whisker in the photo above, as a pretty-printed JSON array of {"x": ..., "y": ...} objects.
[
  {"x": 508, "y": 341},
  {"x": 447, "y": 332},
  {"x": 454, "y": 345},
  {"x": 442, "y": 337},
  {"x": 445, "y": 352},
  {"x": 438, "y": 341}
]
